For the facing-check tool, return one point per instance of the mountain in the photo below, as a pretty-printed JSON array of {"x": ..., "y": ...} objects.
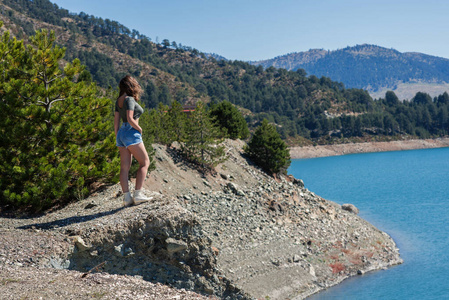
[
  {"x": 305, "y": 109},
  {"x": 373, "y": 68}
]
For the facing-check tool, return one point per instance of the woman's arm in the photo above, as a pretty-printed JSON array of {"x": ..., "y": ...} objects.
[{"x": 132, "y": 122}]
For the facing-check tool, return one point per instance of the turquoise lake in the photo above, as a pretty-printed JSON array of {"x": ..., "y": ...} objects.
[{"x": 405, "y": 194}]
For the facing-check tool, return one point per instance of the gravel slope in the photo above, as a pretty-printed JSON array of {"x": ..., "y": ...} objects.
[{"x": 237, "y": 234}]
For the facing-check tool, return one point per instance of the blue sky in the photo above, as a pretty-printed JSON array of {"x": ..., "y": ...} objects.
[{"x": 262, "y": 29}]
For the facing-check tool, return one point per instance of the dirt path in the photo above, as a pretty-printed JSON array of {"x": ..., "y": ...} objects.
[{"x": 342, "y": 149}]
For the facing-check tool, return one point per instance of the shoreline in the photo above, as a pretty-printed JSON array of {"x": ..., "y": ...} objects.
[{"x": 368, "y": 147}]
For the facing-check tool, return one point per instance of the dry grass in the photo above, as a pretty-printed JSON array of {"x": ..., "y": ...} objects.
[
  {"x": 406, "y": 91},
  {"x": 337, "y": 267}
]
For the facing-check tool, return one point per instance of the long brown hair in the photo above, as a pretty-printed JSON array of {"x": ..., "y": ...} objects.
[{"x": 131, "y": 87}]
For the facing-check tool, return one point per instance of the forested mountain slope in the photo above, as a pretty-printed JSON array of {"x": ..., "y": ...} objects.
[
  {"x": 369, "y": 67},
  {"x": 305, "y": 108}
]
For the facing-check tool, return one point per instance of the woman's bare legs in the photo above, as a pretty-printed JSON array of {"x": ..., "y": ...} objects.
[
  {"x": 125, "y": 165},
  {"x": 141, "y": 155}
]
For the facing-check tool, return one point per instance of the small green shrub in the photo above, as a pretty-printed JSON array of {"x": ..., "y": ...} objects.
[{"x": 268, "y": 150}]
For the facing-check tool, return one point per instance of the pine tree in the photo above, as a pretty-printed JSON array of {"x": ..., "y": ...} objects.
[
  {"x": 177, "y": 120},
  {"x": 157, "y": 125},
  {"x": 56, "y": 137},
  {"x": 268, "y": 150},
  {"x": 231, "y": 119},
  {"x": 202, "y": 139}
]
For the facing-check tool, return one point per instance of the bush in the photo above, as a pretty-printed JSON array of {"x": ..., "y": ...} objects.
[
  {"x": 200, "y": 138},
  {"x": 268, "y": 150}
]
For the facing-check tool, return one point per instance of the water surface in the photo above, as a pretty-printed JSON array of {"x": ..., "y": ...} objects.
[{"x": 405, "y": 194}]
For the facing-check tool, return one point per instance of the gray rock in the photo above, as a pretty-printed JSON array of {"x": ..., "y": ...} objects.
[
  {"x": 298, "y": 182},
  {"x": 79, "y": 243},
  {"x": 206, "y": 183},
  {"x": 174, "y": 246},
  {"x": 118, "y": 249},
  {"x": 350, "y": 208},
  {"x": 232, "y": 186},
  {"x": 240, "y": 193},
  {"x": 312, "y": 271},
  {"x": 276, "y": 262},
  {"x": 59, "y": 263},
  {"x": 127, "y": 251}
]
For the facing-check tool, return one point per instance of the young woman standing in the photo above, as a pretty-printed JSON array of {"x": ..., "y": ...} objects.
[{"x": 129, "y": 138}]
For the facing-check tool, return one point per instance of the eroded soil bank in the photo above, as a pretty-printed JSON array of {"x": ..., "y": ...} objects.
[{"x": 350, "y": 148}]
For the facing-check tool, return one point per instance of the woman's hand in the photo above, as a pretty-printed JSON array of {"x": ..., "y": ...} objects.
[{"x": 134, "y": 123}]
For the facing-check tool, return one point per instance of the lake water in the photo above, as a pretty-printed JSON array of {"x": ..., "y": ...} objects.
[{"x": 405, "y": 194}]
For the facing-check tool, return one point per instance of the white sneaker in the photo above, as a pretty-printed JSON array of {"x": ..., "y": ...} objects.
[
  {"x": 128, "y": 200},
  {"x": 140, "y": 197}
]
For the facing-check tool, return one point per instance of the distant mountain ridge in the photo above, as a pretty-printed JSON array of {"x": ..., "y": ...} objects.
[{"x": 370, "y": 67}]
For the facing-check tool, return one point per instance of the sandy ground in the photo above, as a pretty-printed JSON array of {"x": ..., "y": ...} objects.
[{"x": 342, "y": 149}]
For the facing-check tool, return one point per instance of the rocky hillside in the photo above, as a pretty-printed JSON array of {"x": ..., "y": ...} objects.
[
  {"x": 303, "y": 107},
  {"x": 237, "y": 234},
  {"x": 371, "y": 67}
]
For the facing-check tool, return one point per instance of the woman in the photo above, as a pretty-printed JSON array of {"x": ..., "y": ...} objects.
[{"x": 129, "y": 138}]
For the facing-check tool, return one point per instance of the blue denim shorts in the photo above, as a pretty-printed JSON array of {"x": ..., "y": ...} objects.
[{"x": 127, "y": 136}]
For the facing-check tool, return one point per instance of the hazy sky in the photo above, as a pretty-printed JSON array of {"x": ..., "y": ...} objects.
[{"x": 262, "y": 29}]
